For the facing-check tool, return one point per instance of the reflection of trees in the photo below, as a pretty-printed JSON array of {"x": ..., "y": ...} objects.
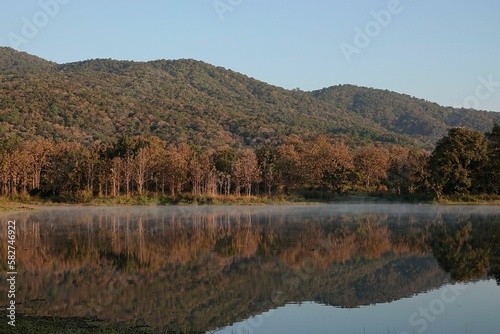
[
  {"x": 204, "y": 270},
  {"x": 487, "y": 234},
  {"x": 495, "y": 271},
  {"x": 467, "y": 250},
  {"x": 361, "y": 238}
]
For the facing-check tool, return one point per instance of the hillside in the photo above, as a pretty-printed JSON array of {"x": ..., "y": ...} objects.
[
  {"x": 203, "y": 105},
  {"x": 402, "y": 114}
]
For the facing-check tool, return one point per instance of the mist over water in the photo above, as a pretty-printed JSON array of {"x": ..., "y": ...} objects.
[
  {"x": 206, "y": 267},
  {"x": 291, "y": 212}
]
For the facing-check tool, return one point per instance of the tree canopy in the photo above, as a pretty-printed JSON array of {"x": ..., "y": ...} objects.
[{"x": 189, "y": 101}]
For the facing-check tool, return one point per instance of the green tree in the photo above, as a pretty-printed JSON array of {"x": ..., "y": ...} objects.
[
  {"x": 266, "y": 157},
  {"x": 10, "y": 171},
  {"x": 457, "y": 252},
  {"x": 224, "y": 160},
  {"x": 456, "y": 164},
  {"x": 66, "y": 172},
  {"x": 492, "y": 168}
]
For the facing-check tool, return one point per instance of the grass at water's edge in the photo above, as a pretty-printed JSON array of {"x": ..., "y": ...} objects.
[
  {"x": 26, "y": 202},
  {"x": 484, "y": 199},
  {"x": 29, "y": 203},
  {"x": 470, "y": 200},
  {"x": 7, "y": 204}
]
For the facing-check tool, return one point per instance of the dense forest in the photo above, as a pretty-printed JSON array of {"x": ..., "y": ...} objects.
[
  {"x": 192, "y": 102},
  {"x": 464, "y": 162},
  {"x": 183, "y": 127}
]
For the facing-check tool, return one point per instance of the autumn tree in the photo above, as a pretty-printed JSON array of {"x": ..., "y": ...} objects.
[
  {"x": 37, "y": 151},
  {"x": 371, "y": 164},
  {"x": 246, "y": 171},
  {"x": 115, "y": 178},
  {"x": 127, "y": 170},
  {"x": 203, "y": 174},
  {"x": 141, "y": 166},
  {"x": 407, "y": 169},
  {"x": 147, "y": 159},
  {"x": 289, "y": 165},
  {"x": 126, "y": 148},
  {"x": 199, "y": 166},
  {"x": 326, "y": 165},
  {"x": 176, "y": 167},
  {"x": 463, "y": 162},
  {"x": 314, "y": 161}
]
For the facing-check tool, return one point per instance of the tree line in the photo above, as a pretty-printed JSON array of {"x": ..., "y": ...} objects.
[{"x": 463, "y": 162}]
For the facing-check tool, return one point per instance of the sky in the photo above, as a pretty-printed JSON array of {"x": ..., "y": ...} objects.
[{"x": 445, "y": 51}]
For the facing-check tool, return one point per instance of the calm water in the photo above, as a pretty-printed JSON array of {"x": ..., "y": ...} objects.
[{"x": 275, "y": 269}]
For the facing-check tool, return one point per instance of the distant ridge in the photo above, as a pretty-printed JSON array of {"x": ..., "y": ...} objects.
[{"x": 203, "y": 105}]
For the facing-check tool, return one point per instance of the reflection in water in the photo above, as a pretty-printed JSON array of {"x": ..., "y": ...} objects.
[
  {"x": 460, "y": 315},
  {"x": 203, "y": 268}
]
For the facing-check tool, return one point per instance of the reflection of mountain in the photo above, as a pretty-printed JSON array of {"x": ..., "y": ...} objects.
[
  {"x": 179, "y": 270},
  {"x": 397, "y": 278}
]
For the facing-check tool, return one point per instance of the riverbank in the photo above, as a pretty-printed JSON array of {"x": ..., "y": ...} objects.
[
  {"x": 485, "y": 199},
  {"x": 31, "y": 203},
  {"x": 22, "y": 203},
  {"x": 13, "y": 205},
  {"x": 470, "y": 200}
]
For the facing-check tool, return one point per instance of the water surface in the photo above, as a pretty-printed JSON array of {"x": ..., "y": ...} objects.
[{"x": 349, "y": 268}]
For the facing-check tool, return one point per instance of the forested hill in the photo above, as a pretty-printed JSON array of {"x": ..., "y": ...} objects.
[
  {"x": 194, "y": 102},
  {"x": 402, "y": 114}
]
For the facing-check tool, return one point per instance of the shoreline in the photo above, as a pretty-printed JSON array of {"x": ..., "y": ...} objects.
[{"x": 33, "y": 203}]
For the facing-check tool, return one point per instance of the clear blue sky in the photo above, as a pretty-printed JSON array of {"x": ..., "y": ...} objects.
[{"x": 436, "y": 50}]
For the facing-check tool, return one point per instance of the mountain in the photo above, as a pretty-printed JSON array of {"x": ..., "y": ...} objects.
[
  {"x": 203, "y": 105},
  {"x": 399, "y": 113},
  {"x": 12, "y": 61}
]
